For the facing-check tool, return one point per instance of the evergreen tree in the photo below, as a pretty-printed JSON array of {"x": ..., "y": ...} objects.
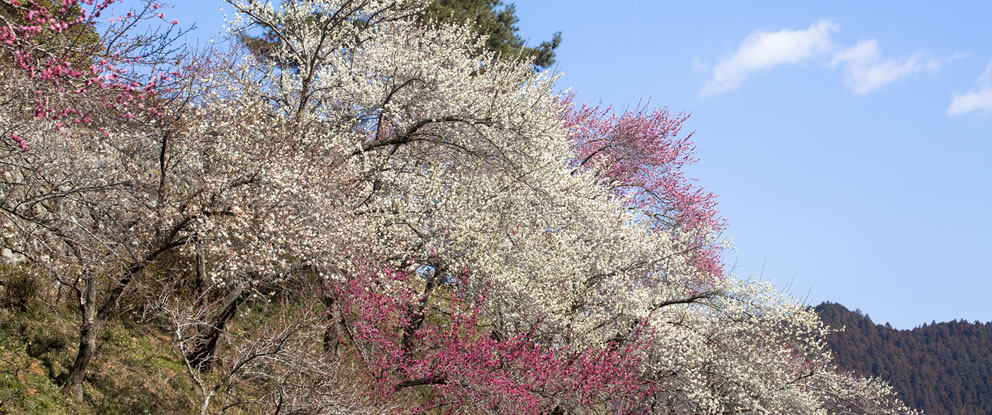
[
  {"x": 496, "y": 22},
  {"x": 940, "y": 368}
]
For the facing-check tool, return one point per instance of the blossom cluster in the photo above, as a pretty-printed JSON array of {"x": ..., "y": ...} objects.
[{"x": 480, "y": 241}]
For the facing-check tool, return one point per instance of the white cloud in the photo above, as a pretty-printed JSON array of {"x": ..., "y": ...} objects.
[
  {"x": 763, "y": 50},
  {"x": 976, "y": 100},
  {"x": 863, "y": 67},
  {"x": 866, "y": 70}
]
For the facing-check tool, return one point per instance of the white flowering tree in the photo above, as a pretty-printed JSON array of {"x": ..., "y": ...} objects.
[
  {"x": 478, "y": 241},
  {"x": 124, "y": 175},
  {"x": 85, "y": 191},
  {"x": 476, "y": 176}
]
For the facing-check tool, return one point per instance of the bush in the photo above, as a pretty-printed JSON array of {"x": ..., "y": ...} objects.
[{"x": 20, "y": 288}]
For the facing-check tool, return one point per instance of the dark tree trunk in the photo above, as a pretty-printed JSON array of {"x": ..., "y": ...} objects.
[
  {"x": 87, "y": 347},
  {"x": 94, "y": 318},
  {"x": 205, "y": 344},
  {"x": 200, "y": 271},
  {"x": 331, "y": 338},
  {"x": 416, "y": 312},
  {"x": 335, "y": 326},
  {"x": 431, "y": 380},
  {"x": 88, "y": 332}
]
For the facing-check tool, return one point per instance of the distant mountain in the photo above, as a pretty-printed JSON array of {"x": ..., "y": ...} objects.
[{"x": 941, "y": 368}]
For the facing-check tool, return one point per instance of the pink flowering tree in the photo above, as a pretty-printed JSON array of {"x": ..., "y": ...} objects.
[
  {"x": 83, "y": 66},
  {"x": 462, "y": 367},
  {"x": 642, "y": 154},
  {"x": 88, "y": 162},
  {"x": 542, "y": 293}
]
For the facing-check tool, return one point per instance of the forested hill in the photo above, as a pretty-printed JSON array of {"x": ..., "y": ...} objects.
[{"x": 941, "y": 368}]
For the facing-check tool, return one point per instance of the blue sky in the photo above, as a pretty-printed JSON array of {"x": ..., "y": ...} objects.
[
  {"x": 849, "y": 141},
  {"x": 828, "y": 130}
]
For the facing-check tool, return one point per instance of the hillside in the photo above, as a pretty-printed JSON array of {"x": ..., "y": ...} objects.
[
  {"x": 136, "y": 372},
  {"x": 364, "y": 213},
  {"x": 941, "y": 368}
]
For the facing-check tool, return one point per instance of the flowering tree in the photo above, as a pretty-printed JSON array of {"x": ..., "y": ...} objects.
[
  {"x": 146, "y": 175},
  {"x": 77, "y": 195},
  {"x": 578, "y": 227},
  {"x": 466, "y": 366},
  {"x": 73, "y": 74},
  {"x": 642, "y": 156},
  {"x": 475, "y": 237}
]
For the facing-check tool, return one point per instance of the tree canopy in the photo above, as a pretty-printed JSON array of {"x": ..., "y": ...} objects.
[
  {"x": 939, "y": 368},
  {"x": 493, "y": 21},
  {"x": 389, "y": 196},
  {"x": 496, "y": 22}
]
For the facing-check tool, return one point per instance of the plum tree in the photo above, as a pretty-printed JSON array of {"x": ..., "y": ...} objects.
[{"x": 477, "y": 239}]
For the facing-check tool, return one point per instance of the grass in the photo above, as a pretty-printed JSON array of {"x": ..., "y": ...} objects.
[{"x": 134, "y": 371}]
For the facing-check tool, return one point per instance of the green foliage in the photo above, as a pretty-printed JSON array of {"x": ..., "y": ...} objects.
[
  {"x": 19, "y": 287},
  {"x": 136, "y": 371},
  {"x": 25, "y": 391},
  {"x": 85, "y": 40},
  {"x": 940, "y": 368},
  {"x": 33, "y": 359},
  {"x": 497, "y": 23}
]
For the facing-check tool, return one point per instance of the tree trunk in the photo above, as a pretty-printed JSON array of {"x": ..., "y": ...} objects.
[
  {"x": 415, "y": 313},
  {"x": 331, "y": 332},
  {"x": 200, "y": 270},
  {"x": 201, "y": 357},
  {"x": 88, "y": 331},
  {"x": 87, "y": 347},
  {"x": 95, "y": 317},
  {"x": 93, "y": 321}
]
